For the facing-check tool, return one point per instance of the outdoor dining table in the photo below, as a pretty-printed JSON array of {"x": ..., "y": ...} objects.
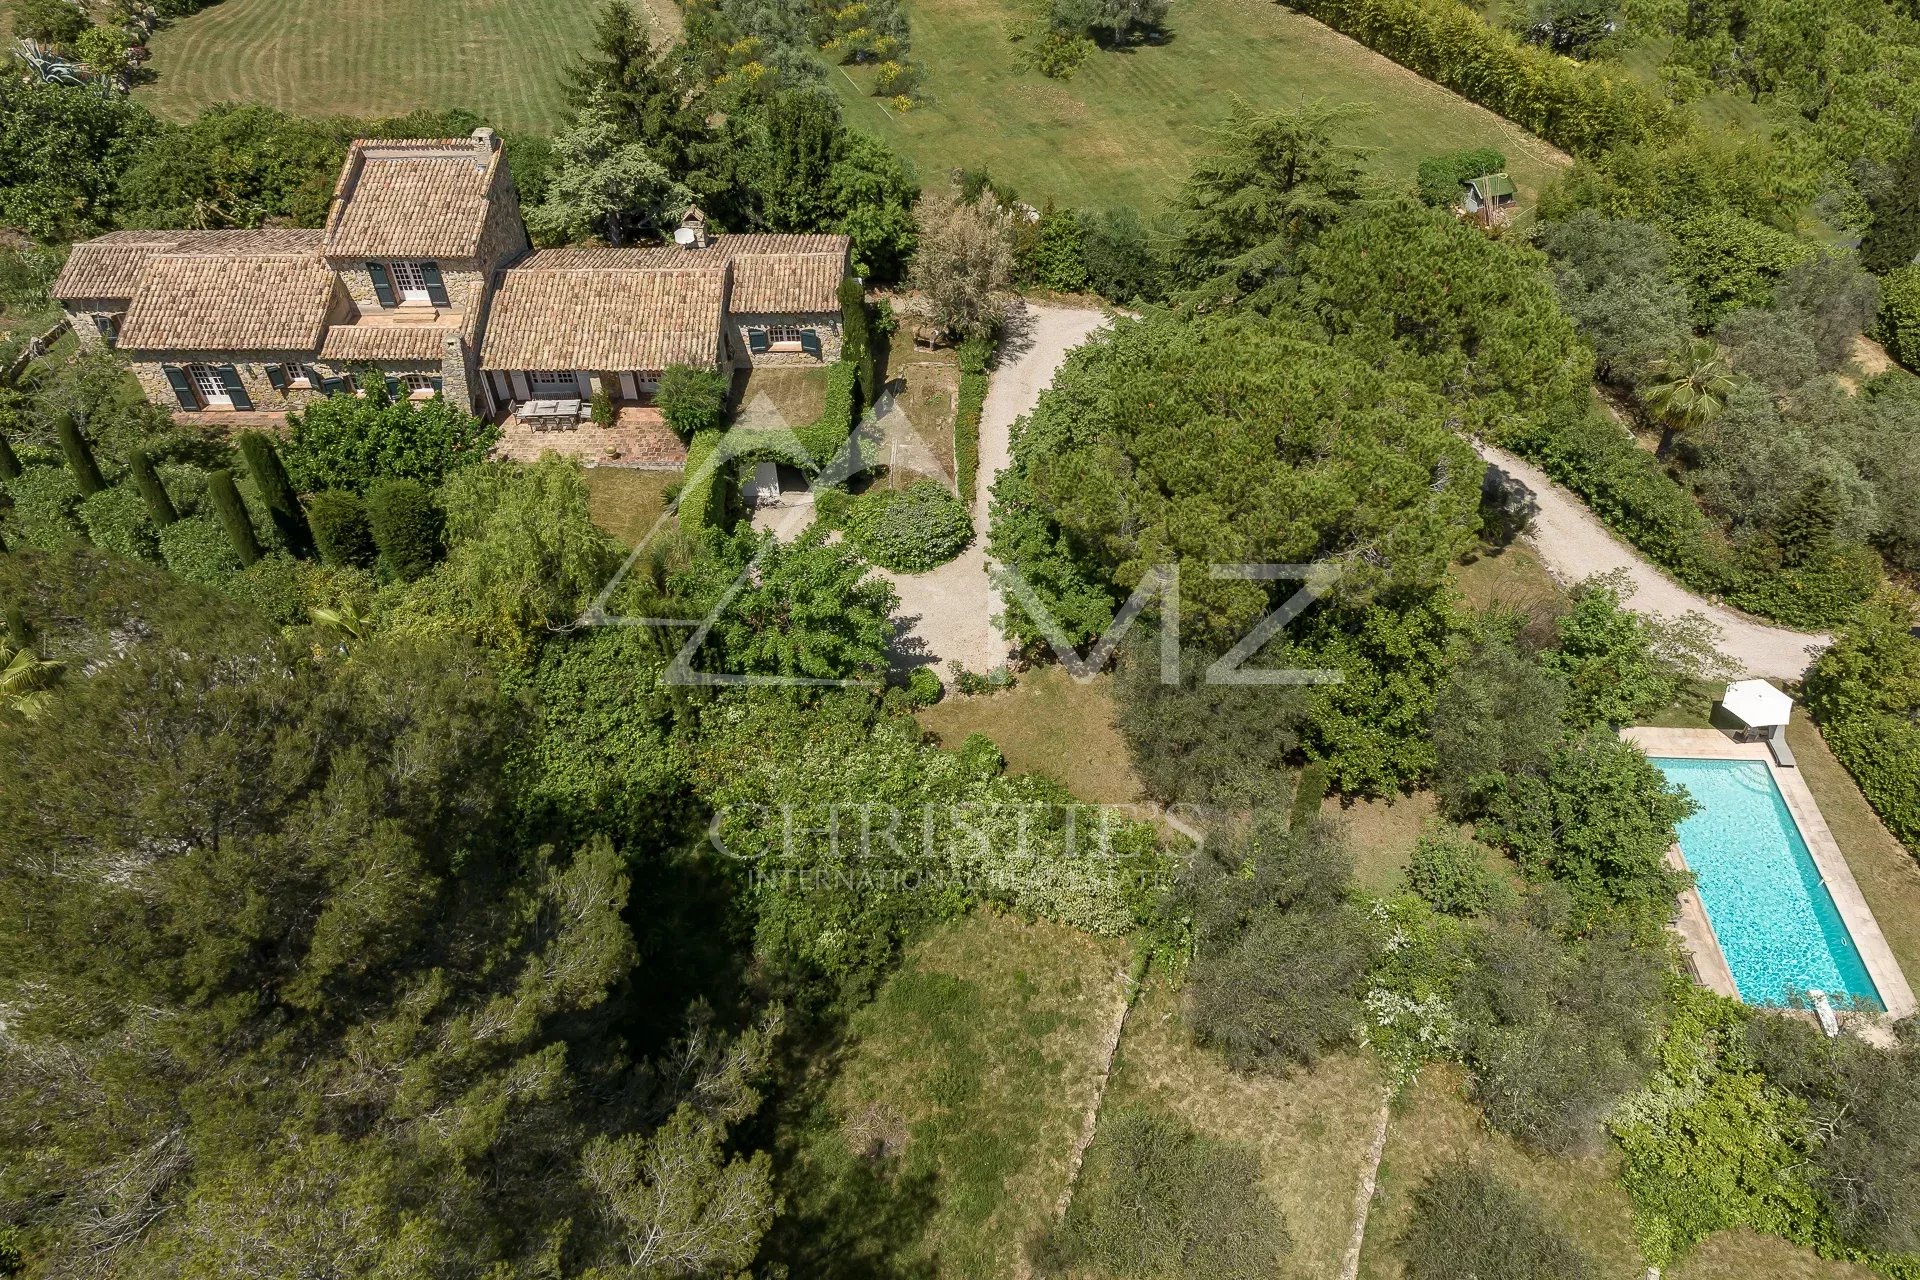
[{"x": 550, "y": 415}]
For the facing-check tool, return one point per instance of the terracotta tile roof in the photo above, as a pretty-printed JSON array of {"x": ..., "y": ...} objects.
[
  {"x": 579, "y": 317},
  {"x": 412, "y": 197},
  {"x": 216, "y": 302},
  {"x": 385, "y": 342},
  {"x": 777, "y": 273},
  {"x": 105, "y": 267}
]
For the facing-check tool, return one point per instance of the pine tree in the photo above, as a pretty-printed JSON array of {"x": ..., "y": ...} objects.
[
  {"x": 276, "y": 490},
  {"x": 1808, "y": 521},
  {"x": 233, "y": 515},
  {"x": 86, "y": 472},
  {"x": 1893, "y": 239},
  {"x": 159, "y": 505},
  {"x": 9, "y": 463}
]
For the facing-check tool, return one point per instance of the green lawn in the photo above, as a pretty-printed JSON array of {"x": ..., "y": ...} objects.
[
  {"x": 1124, "y": 130},
  {"x": 1048, "y": 723},
  {"x": 500, "y": 58}
]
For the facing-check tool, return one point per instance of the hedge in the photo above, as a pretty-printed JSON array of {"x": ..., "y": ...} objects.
[
  {"x": 1583, "y": 108},
  {"x": 703, "y": 498},
  {"x": 46, "y": 507},
  {"x": 1864, "y": 693},
  {"x": 340, "y": 531},
  {"x": 408, "y": 527},
  {"x": 197, "y": 548},
  {"x": 966, "y": 434},
  {"x": 1900, "y": 315},
  {"x": 826, "y": 435},
  {"x": 117, "y": 520}
]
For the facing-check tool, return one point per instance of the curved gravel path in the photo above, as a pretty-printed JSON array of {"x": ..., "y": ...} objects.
[
  {"x": 1574, "y": 545},
  {"x": 950, "y": 611}
]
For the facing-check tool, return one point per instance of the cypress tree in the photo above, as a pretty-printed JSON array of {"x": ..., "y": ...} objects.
[
  {"x": 856, "y": 337},
  {"x": 160, "y": 506},
  {"x": 276, "y": 489},
  {"x": 86, "y": 472},
  {"x": 233, "y": 515},
  {"x": 9, "y": 463},
  {"x": 408, "y": 527},
  {"x": 340, "y": 531}
]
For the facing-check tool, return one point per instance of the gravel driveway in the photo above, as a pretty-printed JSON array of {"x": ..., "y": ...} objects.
[
  {"x": 1575, "y": 545},
  {"x": 950, "y": 611}
]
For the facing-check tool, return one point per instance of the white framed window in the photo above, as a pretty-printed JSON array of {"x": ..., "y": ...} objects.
[
  {"x": 297, "y": 375},
  {"x": 553, "y": 384},
  {"x": 409, "y": 280},
  {"x": 419, "y": 386},
  {"x": 208, "y": 386},
  {"x": 783, "y": 337}
]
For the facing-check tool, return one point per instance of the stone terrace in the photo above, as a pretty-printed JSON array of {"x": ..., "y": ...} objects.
[{"x": 638, "y": 438}]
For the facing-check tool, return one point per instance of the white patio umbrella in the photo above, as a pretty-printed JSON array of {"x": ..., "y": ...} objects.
[{"x": 1758, "y": 704}]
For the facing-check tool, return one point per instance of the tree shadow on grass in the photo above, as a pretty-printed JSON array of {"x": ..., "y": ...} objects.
[{"x": 852, "y": 1216}]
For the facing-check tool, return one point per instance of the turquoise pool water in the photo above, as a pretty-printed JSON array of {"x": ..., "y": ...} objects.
[{"x": 1775, "y": 920}]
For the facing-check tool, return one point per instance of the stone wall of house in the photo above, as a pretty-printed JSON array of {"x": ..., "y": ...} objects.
[
  {"x": 824, "y": 323},
  {"x": 152, "y": 377},
  {"x": 81, "y": 315}
]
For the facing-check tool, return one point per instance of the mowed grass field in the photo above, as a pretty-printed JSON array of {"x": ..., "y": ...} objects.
[
  {"x": 1124, "y": 130},
  {"x": 501, "y": 58}
]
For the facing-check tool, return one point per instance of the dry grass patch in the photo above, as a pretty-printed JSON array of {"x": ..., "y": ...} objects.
[
  {"x": 626, "y": 502},
  {"x": 1381, "y": 834},
  {"x": 1051, "y": 724},
  {"x": 1513, "y": 577},
  {"x": 796, "y": 396},
  {"x": 1748, "y": 1255},
  {"x": 1433, "y": 1122},
  {"x": 967, "y": 1079},
  {"x": 1311, "y": 1128}
]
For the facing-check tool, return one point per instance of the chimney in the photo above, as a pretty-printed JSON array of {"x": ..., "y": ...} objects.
[
  {"x": 693, "y": 229},
  {"x": 485, "y": 143}
]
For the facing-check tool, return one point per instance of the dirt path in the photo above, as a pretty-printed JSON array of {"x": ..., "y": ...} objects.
[
  {"x": 1575, "y": 545},
  {"x": 950, "y": 610}
]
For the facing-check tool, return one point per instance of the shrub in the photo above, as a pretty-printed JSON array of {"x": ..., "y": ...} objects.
[
  {"x": 341, "y": 533},
  {"x": 1865, "y": 694},
  {"x": 1441, "y": 177},
  {"x": 830, "y": 507},
  {"x": 186, "y": 484},
  {"x": 197, "y": 548},
  {"x": 1309, "y": 792},
  {"x": 1451, "y": 872},
  {"x": 604, "y": 411},
  {"x": 347, "y": 442},
  {"x": 909, "y": 530},
  {"x": 924, "y": 687},
  {"x": 46, "y": 507},
  {"x": 407, "y": 528},
  {"x": 1900, "y": 315},
  {"x": 276, "y": 493},
  {"x": 53, "y": 22},
  {"x": 692, "y": 399},
  {"x": 826, "y": 435},
  {"x": 975, "y": 353},
  {"x": 1157, "y": 1199},
  {"x": 116, "y": 520},
  {"x": 276, "y": 586},
  {"x": 1468, "y": 1224}
]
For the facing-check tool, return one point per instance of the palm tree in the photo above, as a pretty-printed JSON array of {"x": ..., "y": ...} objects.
[
  {"x": 1688, "y": 389},
  {"x": 23, "y": 682}
]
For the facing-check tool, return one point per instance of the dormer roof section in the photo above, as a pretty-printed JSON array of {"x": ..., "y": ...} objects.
[{"x": 415, "y": 197}]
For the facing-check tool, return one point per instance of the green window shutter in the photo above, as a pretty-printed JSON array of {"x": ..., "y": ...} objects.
[
  {"x": 236, "y": 392},
  {"x": 810, "y": 343},
  {"x": 332, "y": 385},
  {"x": 182, "y": 387},
  {"x": 435, "y": 383},
  {"x": 109, "y": 331},
  {"x": 382, "y": 287},
  {"x": 277, "y": 377},
  {"x": 395, "y": 389},
  {"x": 757, "y": 341},
  {"x": 436, "y": 288}
]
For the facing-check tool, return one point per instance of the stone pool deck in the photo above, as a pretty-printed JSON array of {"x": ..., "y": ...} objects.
[{"x": 1709, "y": 964}]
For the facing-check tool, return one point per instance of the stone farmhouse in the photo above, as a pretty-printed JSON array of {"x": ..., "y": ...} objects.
[{"x": 424, "y": 276}]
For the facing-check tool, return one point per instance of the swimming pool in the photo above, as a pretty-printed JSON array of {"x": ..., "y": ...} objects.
[{"x": 1775, "y": 921}]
